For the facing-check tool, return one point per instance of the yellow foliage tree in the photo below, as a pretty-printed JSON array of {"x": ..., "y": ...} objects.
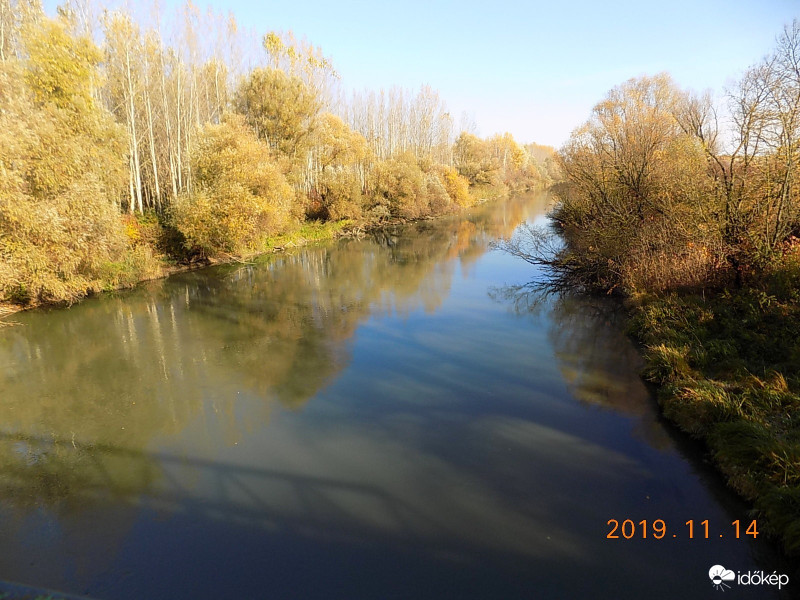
[
  {"x": 240, "y": 198},
  {"x": 635, "y": 204},
  {"x": 280, "y": 108},
  {"x": 474, "y": 160},
  {"x": 61, "y": 166},
  {"x": 398, "y": 185},
  {"x": 338, "y": 155},
  {"x": 457, "y": 186}
]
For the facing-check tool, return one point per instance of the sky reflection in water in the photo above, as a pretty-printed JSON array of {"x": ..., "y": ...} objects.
[{"x": 387, "y": 417}]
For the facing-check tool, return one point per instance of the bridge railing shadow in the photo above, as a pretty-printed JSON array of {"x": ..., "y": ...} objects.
[{"x": 66, "y": 475}]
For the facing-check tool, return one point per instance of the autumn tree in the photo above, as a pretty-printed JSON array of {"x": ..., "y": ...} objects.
[
  {"x": 240, "y": 196},
  {"x": 61, "y": 167},
  {"x": 124, "y": 90},
  {"x": 9, "y": 28},
  {"x": 303, "y": 60},
  {"x": 635, "y": 192},
  {"x": 17, "y": 17},
  {"x": 754, "y": 166},
  {"x": 474, "y": 160},
  {"x": 398, "y": 186},
  {"x": 280, "y": 108},
  {"x": 338, "y": 158},
  {"x": 398, "y": 121},
  {"x": 518, "y": 170},
  {"x": 543, "y": 158}
]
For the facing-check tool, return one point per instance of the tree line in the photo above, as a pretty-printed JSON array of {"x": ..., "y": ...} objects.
[
  {"x": 668, "y": 188},
  {"x": 126, "y": 138}
]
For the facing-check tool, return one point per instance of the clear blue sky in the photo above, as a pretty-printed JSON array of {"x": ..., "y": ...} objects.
[{"x": 534, "y": 68}]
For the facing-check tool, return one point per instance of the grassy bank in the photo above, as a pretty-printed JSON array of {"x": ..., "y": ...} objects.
[
  {"x": 311, "y": 232},
  {"x": 151, "y": 240},
  {"x": 158, "y": 250},
  {"x": 728, "y": 371}
]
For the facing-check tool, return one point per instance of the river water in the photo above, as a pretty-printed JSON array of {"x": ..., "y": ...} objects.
[{"x": 392, "y": 417}]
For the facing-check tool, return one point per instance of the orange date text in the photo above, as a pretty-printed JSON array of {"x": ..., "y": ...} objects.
[{"x": 657, "y": 529}]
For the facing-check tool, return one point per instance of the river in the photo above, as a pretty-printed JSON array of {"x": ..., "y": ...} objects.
[{"x": 398, "y": 416}]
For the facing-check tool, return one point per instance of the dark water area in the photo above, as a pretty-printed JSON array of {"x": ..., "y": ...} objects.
[{"x": 392, "y": 417}]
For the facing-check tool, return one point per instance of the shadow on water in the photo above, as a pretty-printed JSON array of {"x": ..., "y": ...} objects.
[
  {"x": 238, "y": 494},
  {"x": 267, "y": 520},
  {"x": 601, "y": 365},
  {"x": 356, "y": 420}
]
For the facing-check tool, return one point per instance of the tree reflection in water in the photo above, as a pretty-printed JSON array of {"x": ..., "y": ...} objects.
[
  {"x": 123, "y": 371},
  {"x": 597, "y": 360},
  {"x": 305, "y": 427}
]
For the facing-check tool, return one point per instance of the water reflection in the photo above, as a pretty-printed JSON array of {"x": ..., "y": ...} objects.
[
  {"x": 350, "y": 421},
  {"x": 121, "y": 372},
  {"x": 597, "y": 360}
]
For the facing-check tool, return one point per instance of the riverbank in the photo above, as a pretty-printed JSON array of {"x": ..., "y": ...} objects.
[
  {"x": 297, "y": 399},
  {"x": 727, "y": 366},
  {"x": 85, "y": 208},
  {"x": 153, "y": 240},
  {"x": 703, "y": 237},
  {"x": 308, "y": 233}
]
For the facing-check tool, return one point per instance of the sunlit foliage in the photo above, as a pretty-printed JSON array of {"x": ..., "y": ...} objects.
[
  {"x": 280, "y": 108},
  {"x": 191, "y": 139},
  {"x": 636, "y": 196},
  {"x": 660, "y": 195},
  {"x": 61, "y": 170},
  {"x": 240, "y": 195}
]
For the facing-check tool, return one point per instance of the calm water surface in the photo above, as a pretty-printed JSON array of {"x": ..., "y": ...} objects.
[{"x": 391, "y": 417}]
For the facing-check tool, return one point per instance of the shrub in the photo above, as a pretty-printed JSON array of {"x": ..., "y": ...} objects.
[
  {"x": 457, "y": 187},
  {"x": 399, "y": 184},
  {"x": 61, "y": 167},
  {"x": 439, "y": 201},
  {"x": 240, "y": 198},
  {"x": 340, "y": 194}
]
